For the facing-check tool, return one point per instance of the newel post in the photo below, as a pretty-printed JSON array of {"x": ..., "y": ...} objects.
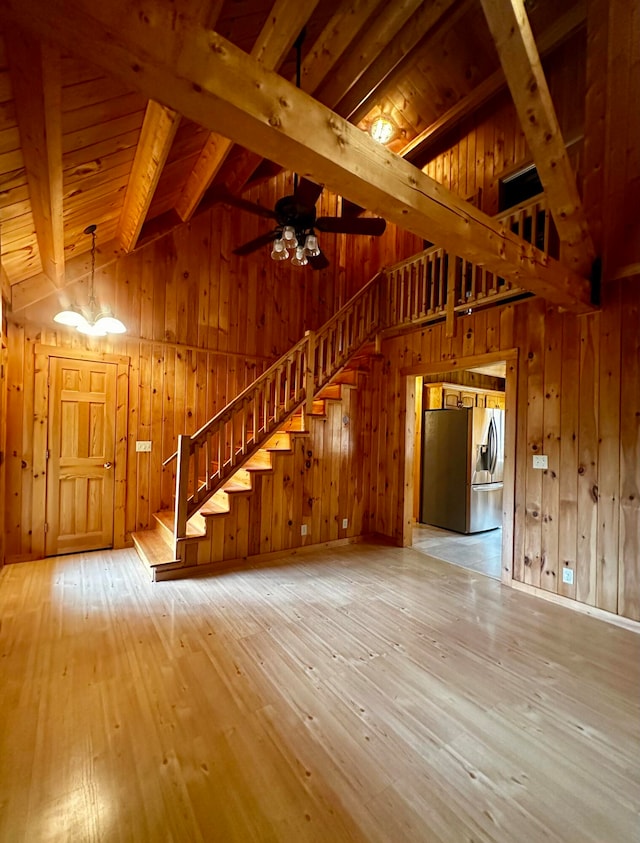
[
  {"x": 182, "y": 486},
  {"x": 309, "y": 380}
]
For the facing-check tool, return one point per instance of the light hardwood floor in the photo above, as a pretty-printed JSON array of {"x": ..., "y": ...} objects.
[{"x": 363, "y": 693}]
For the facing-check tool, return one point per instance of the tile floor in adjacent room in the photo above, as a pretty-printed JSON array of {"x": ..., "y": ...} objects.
[{"x": 480, "y": 552}]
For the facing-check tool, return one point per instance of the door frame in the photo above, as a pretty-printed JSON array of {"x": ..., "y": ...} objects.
[
  {"x": 411, "y": 458},
  {"x": 43, "y": 353}
]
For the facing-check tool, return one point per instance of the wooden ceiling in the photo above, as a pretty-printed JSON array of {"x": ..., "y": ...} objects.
[{"x": 83, "y": 143}]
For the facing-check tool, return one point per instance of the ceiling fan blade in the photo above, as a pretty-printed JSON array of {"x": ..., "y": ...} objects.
[
  {"x": 320, "y": 261},
  {"x": 350, "y": 209},
  {"x": 307, "y": 193},
  {"x": 223, "y": 195},
  {"x": 373, "y": 226},
  {"x": 255, "y": 244}
]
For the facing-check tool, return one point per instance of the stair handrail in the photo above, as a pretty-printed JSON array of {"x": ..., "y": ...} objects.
[
  {"x": 297, "y": 376},
  {"x": 429, "y": 283}
]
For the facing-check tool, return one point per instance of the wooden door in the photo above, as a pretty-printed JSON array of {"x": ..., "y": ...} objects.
[{"x": 81, "y": 451}]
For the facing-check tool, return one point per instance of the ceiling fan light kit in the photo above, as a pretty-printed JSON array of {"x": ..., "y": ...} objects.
[{"x": 89, "y": 320}]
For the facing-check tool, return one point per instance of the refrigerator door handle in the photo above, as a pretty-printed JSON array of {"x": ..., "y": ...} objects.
[
  {"x": 486, "y": 487},
  {"x": 492, "y": 445}
]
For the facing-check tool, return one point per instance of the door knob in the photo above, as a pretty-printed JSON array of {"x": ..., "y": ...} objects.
[{"x": 107, "y": 465}]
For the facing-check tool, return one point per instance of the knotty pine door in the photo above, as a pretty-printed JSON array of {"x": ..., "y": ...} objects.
[{"x": 81, "y": 452}]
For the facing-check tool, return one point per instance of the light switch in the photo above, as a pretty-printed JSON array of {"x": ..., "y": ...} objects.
[{"x": 143, "y": 445}]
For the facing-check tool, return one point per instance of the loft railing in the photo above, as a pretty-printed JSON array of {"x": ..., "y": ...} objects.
[
  {"x": 415, "y": 290},
  {"x": 423, "y": 288},
  {"x": 215, "y": 452}
]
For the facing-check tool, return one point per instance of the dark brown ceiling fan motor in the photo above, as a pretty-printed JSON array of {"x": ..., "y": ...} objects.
[{"x": 296, "y": 220}]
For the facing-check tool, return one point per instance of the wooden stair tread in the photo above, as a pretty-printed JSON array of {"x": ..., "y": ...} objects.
[
  {"x": 233, "y": 486},
  {"x": 218, "y": 504},
  {"x": 330, "y": 392},
  {"x": 166, "y": 518},
  {"x": 260, "y": 461},
  {"x": 152, "y": 548}
]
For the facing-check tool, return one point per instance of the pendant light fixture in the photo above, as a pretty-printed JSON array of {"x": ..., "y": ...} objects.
[{"x": 89, "y": 320}]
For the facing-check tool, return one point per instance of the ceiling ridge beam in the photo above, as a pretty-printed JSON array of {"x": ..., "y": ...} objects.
[
  {"x": 357, "y": 101},
  {"x": 381, "y": 30},
  {"x": 212, "y": 82},
  {"x": 36, "y": 82},
  {"x": 312, "y": 77},
  {"x": 156, "y": 137},
  {"x": 516, "y": 46},
  {"x": 283, "y": 25},
  {"x": 326, "y": 51}
]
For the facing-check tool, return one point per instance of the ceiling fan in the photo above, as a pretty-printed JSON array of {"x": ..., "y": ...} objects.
[
  {"x": 297, "y": 223},
  {"x": 296, "y": 220}
]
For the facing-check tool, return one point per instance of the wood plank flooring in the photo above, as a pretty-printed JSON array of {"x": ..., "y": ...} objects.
[{"x": 363, "y": 693}]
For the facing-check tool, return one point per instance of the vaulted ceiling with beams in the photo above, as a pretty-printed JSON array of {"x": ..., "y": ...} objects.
[{"x": 135, "y": 116}]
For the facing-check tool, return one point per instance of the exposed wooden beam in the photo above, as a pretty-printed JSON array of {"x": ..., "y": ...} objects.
[
  {"x": 559, "y": 31},
  {"x": 35, "y": 80},
  {"x": 330, "y": 46},
  {"x": 377, "y": 36},
  {"x": 39, "y": 287},
  {"x": 213, "y": 83},
  {"x": 282, "y": 27},
  {"x": 334, "y": 39},
  {"x": 520, "y": 61},
  {"x": 157, "y": 135},
  {"x": 5, "y": 287},
  {"x": 158, "y": 131},
  {"x": 362, "y": 93},
  {"x": 339, "y": 33}
]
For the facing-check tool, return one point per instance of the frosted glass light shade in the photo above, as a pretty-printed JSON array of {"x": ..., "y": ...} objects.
[
  {"x": 110, "y": 325},
  {"x": 91, "y": 330},
  {"x": 300, "y": 259},
  {"x": 382, "y": 129},
  {"x": 311, "y": 246},
  {"x": 70, "y": 317},
  {"x": 279, "y": 252},
  {"x": 289, "y": 237}
]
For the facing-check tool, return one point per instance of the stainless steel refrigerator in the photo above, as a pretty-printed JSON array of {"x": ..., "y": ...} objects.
[{"x": 462, "y": 469}]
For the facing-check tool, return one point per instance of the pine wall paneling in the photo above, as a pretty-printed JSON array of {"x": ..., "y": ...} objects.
[
  {"x": 202, "y": 324},
  {"x": 3, "y": 420},
  {"x": 578, "y": 401}
]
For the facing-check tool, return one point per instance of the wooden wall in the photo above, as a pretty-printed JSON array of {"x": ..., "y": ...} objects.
[
  {"x": 3, "y": 419},
  {"x": 320, "y": 482},
  {"x": 202, "y": 324},
  {"x": 492, "y": 144},
  {"x": 578, "y": 401}
]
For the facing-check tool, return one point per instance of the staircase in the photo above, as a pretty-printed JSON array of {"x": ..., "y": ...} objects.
[{"x": 222, "y": 468}]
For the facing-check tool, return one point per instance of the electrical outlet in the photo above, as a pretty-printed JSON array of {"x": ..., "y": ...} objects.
[
  {"x": 143, "y": 445},
  {"x": 303, "y": 529},
  {"x": 540, "y": 461},
  {"x": 567, "y": 576},
  {"x": 345, "y": 523}
]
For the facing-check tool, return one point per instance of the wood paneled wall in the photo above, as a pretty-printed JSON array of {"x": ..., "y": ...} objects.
[
  {"x": 320, "y": 482},
  {"x": 493, "y": 145},
  {"x": 3, "y": 420},
  {"x": 578, "y": 401},
  {"x": 202, "y": 324}
]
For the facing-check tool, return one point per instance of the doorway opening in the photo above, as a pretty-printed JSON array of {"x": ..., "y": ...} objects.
[{"x": 463, "y": 463}]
